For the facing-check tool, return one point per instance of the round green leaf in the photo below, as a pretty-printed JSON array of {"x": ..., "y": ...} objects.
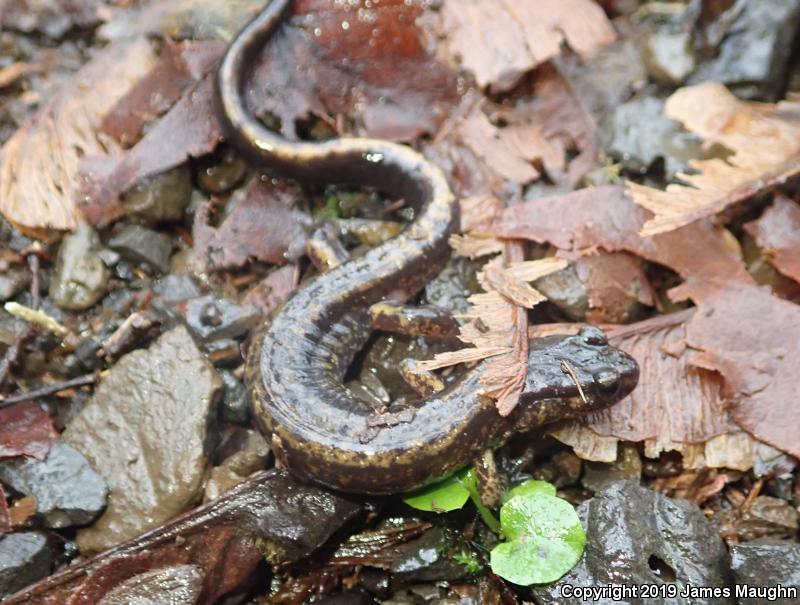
[
  {"x": 442, "y": 497},
  {"x": 545, "y": 539},
  {"x": 532, "y": 486}
]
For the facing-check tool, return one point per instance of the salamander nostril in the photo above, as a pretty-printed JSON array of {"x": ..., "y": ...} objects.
[{"x": 607, "y": 381}]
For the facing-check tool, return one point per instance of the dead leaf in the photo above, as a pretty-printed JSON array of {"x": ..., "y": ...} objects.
[
  {"x": 764, "y": 139},
  {"x": 262, "y": 225},
  {"x": 497, "y": 327},
  {"x": 39, "y": 163},
  {"x": 25, "y": 430},
  {"x": 363, "y": 59},
  {"x": 190, "y": 129},
  {"x": 579, "y": 222},
  {"x": 751, "y": 338},
  {"x": 179, "y": 66},
  {"x": 499, "y": 42},
  {"x": 777, "y": 232}
]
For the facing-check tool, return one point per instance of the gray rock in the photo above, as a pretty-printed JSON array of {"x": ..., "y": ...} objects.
[
  {"x": 175, "y": 585},
  {"x": 12, "y": 281},
  {"x": 161, "y": 197},
  {"x": 637, "y": 134},
  {"x": 213, "y": 318},
  {"x": 766, "y": 562},
  {"x": 142, "y": 245},
  {"x": 753, "y": 56},
  {"x": 174, "y": 288},
  {"x": 145, "y": 430},
  {"x": 67, "y": 491},
  {"x": 235, "y": 403},
  {"x": 24, "y": 558},
  {"x": 637, "y": 536},
  {"x": 80, "y": 277}
]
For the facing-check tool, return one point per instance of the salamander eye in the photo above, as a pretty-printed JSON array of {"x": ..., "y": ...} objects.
[
  {"x": 593, "y": 336},
  {"x": 608, "y": 382}
]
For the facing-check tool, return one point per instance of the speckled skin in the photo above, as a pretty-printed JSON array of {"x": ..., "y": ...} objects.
[{"x": 296, "y": 364}]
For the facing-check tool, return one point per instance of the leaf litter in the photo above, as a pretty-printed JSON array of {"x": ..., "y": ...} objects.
[{"x": 716, "y": 378}]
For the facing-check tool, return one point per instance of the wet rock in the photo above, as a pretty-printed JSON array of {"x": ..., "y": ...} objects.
[
  {"x": 628, "y": 465},
  {"x": 79, "y": 277},
  {"x": 236, "y": 468},
  {"x": 426, "y": 558},
  {"x": 235, "y": 402},
  {"x": 767, "y": 563},
  {"x": 224, "y": 175},
  {"x": 452, "y": 286},
  {"x": 162, "y": 197},
  {"x": 669, "y": 55},
  {"x": 767, "y": 516},
  {"x": 67, "y": 491},
  {"x": 270, "y": 516},
  {"x": 638, "y": 536},
  {"x": 214, "y": 318},
  {"x": 175, "y": 288},
  {"x": 637, "y": 133},
  {"x": 142, "y": 245},
  {"x": 565, "y": 290},
  {"x": 752, "y": 58},
  {"x": 12, "y": 282},
  {"x": 24, "y": 558},
  {"x": 176, "y": 585},
  {"x": 145, "y": 431}
]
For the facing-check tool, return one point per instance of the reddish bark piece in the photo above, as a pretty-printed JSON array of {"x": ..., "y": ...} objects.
[
  {"x": 261, "y": 226},
  {"x": 5, "y": 519},
  {"x": 26, "y": 430},
  {"x": 605, "y": 217},
  {"x": 180, "y": 65},
  {"x": 777, "y": 231},
  {"x": 752, "y": 339},
  {"x": 189, "y": 129},
  {"x": 227, "y": 539},
  {"x": 364, "y": 59}
]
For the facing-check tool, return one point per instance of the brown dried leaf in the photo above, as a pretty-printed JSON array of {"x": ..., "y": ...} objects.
[
  {"x": 501, "y": 41},
  {"x": 268, "y": 294},
  {"x": 751, "y": 338},
  {"x": 39, "y": 163},
  {"x": 189, "y": 129},
  {"x": 764, "y": 139},
  {"x": 179, "y": 66},
  {"x": 25, "y": 430},
  {"x": 497, "y": 327},
  {"x": 262, "y": 226},
  {"x": 778, "y": 233},
  {"x": 605, "y": 217},
  {"x": 363, "y": 59},
  {"x": 612, "y": 280}
]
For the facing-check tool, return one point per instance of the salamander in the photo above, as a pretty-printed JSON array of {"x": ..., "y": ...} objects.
[{"x": 296, "y": 364}]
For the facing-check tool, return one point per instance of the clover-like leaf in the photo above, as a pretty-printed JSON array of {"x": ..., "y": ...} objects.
[
  {"x": 532, "y": 486},
  {"x": 545, "y": 538},
  {"x": 442, "y": 497}
]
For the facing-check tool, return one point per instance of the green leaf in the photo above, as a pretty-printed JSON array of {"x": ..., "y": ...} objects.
[
  {"x": 545, "y": 539},
  {"x": 532, "y": 486},
  {"x": 442, "y": 497}
]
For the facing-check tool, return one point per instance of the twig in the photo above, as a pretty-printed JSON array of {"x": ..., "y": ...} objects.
[
  {"x": 13, "y": 352},
  {"x": 40, "y": 318},
  {"x": 33, "y": 265},
  {"x": 50, "y": 389}
]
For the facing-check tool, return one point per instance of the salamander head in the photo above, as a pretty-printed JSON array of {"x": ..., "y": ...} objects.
[{"x": 571, "y": 376}]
